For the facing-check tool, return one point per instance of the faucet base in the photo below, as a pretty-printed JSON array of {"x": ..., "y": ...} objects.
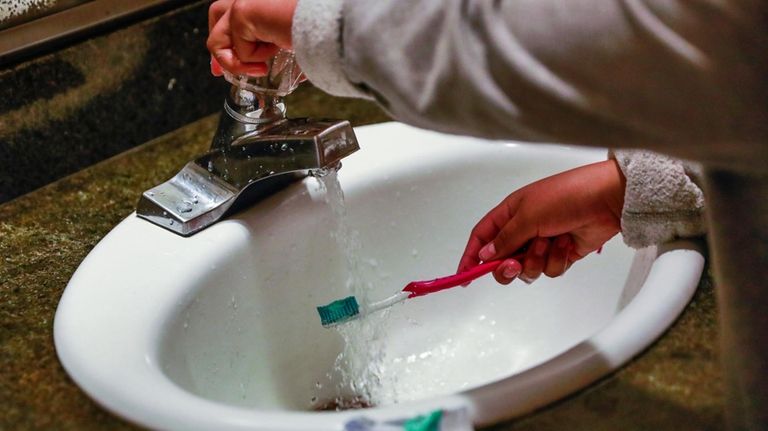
[{"x": 252, "y": 167}]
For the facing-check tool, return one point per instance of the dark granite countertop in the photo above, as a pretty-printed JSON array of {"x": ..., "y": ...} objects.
[{"x": 675, "y": 385}]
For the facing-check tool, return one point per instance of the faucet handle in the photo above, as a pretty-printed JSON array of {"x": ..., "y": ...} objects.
[{"x": 283, "y": 76}]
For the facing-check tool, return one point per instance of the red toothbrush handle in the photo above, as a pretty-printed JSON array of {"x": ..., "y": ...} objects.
[{"x": 420, "y": 288}]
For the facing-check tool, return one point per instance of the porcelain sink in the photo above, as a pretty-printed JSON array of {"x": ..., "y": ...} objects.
[{"x": 219, "y": 330}]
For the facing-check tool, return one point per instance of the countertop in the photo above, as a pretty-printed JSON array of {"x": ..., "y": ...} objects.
[{"x": 674, "y": 385}]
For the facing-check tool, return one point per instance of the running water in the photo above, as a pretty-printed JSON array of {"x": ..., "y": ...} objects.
[
  {"x": 361, "y": 363},
  {"x": 346, "y": 239}
]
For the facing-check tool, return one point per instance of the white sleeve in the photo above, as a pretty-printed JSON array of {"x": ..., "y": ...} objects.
[
  {"x": 685, "y": 77},
  {"x": 662, "y": 200}
]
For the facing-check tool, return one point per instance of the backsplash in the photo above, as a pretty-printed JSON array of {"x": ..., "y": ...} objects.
[{"x": 62, "y": 112}]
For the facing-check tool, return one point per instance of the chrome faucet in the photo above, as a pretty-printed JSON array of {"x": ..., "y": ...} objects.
[{"x": 255, "y": 151}]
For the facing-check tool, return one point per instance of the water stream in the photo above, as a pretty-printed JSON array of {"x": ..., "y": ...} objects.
[{"x": 361, "y": 362}]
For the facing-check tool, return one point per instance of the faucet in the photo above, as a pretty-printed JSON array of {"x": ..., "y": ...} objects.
[{"x": 255, "y": 152}]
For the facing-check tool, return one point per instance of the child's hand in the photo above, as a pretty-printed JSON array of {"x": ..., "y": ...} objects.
[
  {"x": 565, "y": 217},
  {"x": 243, "y": 34}
]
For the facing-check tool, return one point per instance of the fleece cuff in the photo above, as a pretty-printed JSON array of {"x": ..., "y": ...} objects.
[
  {"x": 661, "y": 202},
  {"x": 317, "y": 34}
]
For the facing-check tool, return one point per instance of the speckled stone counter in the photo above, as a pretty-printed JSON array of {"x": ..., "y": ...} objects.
[{"x": 676, "y": 385}]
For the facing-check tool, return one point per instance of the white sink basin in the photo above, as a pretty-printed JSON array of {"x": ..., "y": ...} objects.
[{"x": 219, "y": 330}]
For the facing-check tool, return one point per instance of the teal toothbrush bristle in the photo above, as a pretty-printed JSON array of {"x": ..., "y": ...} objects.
[{"x": 338, "y": 311}]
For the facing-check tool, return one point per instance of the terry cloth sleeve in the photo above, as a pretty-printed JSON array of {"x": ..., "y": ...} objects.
[
  {"x": 316, "y": 36},
  {"x": 662, "y": 200},
  {"x": 685, "y": 77}
]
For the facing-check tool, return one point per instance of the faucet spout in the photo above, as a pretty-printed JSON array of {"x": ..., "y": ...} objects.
[
  {"x": 255, "y": 151},
  {"x": 237, "y": 174}
]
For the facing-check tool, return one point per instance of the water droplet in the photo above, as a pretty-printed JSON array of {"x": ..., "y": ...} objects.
[
  {"x": 184, "y": 207},
  {"x": 170, "y": 222},
  {"x": 151, "y": 194},
  {"x": 284, "y": 147},
  {"x": 318, "y": 385}
]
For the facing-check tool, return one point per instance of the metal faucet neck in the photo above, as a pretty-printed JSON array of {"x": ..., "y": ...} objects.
[{"x": 252, "y": 107}]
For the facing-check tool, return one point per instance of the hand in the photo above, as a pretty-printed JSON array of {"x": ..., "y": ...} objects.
[
  {"x": 561, "y": 218},
  {"x": 244, "y": 34}
]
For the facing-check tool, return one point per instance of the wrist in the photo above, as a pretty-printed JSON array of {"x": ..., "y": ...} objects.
[{"x": 616, "y": 184}]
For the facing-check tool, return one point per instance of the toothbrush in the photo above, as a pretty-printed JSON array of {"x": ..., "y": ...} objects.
[{"x": 346, "y": 309}]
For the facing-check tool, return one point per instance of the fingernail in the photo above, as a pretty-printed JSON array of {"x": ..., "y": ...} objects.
[
  {"x": 510, "y": 272},
  {"x": 487, "y": 252},
  {"x": 525, "y": 279},
  {"x": 215, "y": 67},
  {"x": 563, "y": 241},
  {"x": 540, "y": 247}
]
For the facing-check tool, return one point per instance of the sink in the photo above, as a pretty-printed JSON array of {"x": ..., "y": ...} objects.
[{"x": 219, "y": 330}]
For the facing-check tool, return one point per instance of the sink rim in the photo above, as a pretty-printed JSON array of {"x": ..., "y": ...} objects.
[{"x": 172, "y": 407}]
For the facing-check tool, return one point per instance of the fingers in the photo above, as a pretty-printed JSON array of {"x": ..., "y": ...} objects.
[
  {"x": 233, "y": 44},
  {"x": 219, "y": 41},
  {"x": 513, "y": 235},
  {"x": 216, "y": 11},
  {"x": 486, "y": 230},
  {"x": 216, "y": 69},
  {"x": 248, "y": 35},
  {"x": 222, "y": 49},
  {"x": 535, "y": 260},
  {"x": 507, "y": 271},
  {"x": 557, "y": 258},
  {"x": 550, "y": 256},
  {"x": 249, "y": 52}
]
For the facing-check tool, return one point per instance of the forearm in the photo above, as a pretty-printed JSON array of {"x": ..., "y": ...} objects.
[{"x": 591, "y": 72}]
